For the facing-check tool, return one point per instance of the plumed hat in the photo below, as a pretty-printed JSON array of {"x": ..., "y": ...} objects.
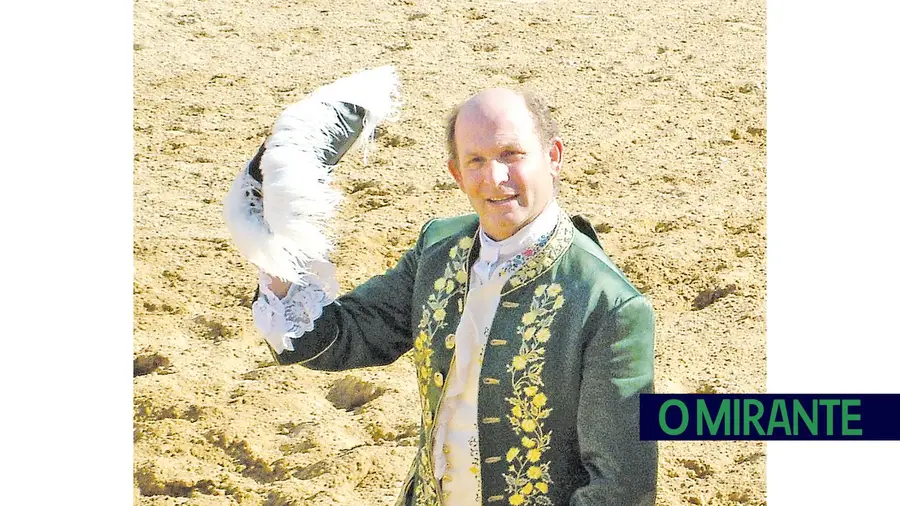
[{"x": 278, "y": 208}]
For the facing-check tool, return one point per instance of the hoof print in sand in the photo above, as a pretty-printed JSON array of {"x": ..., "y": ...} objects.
[
  {"x": 350, "y": 392},
  {"x": 696, "y": 468},
  {"x": 150, "y": 409},
  {"x": 246, "y": 460},
  {"x": 381, "y": 432},
  {"x": 145, "y": 364},
  {"x": 215, "y": 330},
  {"x": 352, "y": 465},
  {"x": 707, "y": 297},
  {"x": 149, "y": 482}
]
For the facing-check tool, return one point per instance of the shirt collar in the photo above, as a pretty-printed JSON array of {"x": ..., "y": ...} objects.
[{"x": 492, "y": 250}]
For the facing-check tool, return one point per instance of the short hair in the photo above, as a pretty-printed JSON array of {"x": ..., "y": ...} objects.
[{"x": 544, "y": 125}]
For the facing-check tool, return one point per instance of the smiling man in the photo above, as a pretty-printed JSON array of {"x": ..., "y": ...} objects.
[
  {"x": 505, "y": 164},
  {"x": 531, "y": 346}
]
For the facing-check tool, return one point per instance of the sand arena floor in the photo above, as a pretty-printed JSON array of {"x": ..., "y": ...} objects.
[{"x": 662, "y": 109}]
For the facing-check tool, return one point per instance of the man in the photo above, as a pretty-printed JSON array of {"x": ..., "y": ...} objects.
[{"x": 531, "y": 347}]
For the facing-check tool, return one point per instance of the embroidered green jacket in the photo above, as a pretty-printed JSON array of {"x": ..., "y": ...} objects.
[{"x": 570, "y": 349}]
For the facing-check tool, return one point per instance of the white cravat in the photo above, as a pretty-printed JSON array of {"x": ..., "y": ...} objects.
[{"x": 456, "y": 453}]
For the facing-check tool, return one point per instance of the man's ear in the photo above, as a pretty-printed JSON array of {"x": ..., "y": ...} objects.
[
  {"x": 556, "y": 156},
  {"x": 454, "y": 171}
]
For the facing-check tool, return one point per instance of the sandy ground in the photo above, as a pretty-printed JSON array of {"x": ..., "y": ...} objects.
[{"x": 662, "y": 107}]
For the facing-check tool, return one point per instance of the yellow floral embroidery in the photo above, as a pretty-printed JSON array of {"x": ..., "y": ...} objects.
[
  {"x": 529, "y": 334},
  {"x": 426, "y": 492},
  {"x": 518, "y": 362},
  {"x": 529, "y": 479},
  {"x": 434, "y": 314},
  {"x": 543, "y": 259}
]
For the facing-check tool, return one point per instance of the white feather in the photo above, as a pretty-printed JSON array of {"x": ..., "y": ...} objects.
[{"x": 288, "y": 228}]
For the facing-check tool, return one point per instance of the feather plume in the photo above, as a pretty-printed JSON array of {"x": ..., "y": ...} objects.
[{"x": 281, "y": 224}]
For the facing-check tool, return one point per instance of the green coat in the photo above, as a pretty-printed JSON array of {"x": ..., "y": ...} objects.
[{"x": 570, "y": 348}]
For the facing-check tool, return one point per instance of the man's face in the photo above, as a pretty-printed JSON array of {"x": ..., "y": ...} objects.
[{"x": 501, "y": 165}]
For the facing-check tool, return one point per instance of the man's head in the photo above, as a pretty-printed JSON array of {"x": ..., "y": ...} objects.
[{"x": 505, "y": 156}]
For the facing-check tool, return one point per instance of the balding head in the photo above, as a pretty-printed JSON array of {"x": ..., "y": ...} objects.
[{"x": 492, "y": 102}]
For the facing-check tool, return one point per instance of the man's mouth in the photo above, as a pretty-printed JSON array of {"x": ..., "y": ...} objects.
[{"x": 501, "y": 200}]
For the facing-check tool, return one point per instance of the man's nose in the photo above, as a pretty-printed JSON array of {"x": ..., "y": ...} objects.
[{"x": 496, "y": 172}]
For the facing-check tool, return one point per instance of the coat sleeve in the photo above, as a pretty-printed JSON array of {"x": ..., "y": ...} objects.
[
  {"x": 368, "y": 326},
  {"x": 617, "y": 368}
]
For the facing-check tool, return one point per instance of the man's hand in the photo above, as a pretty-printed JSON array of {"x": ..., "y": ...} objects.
[{"x": 279, "y": 287}]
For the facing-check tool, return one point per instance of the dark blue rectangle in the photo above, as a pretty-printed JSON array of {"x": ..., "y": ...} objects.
[{"x": 782, "y": 417}]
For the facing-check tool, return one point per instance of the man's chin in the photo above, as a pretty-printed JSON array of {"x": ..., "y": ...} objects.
[{"x": 502, "y": 227}]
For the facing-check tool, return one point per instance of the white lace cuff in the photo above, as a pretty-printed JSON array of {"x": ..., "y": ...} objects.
[{"x": 281, "y": 320}]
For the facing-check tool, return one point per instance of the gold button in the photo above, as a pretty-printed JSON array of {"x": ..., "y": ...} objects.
[
  {"x": 446, "y": 478},
  {"x": 438, "y": 379},
  {"x": 450, "y": 342},
  {"x": 445, "y": 449}
]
